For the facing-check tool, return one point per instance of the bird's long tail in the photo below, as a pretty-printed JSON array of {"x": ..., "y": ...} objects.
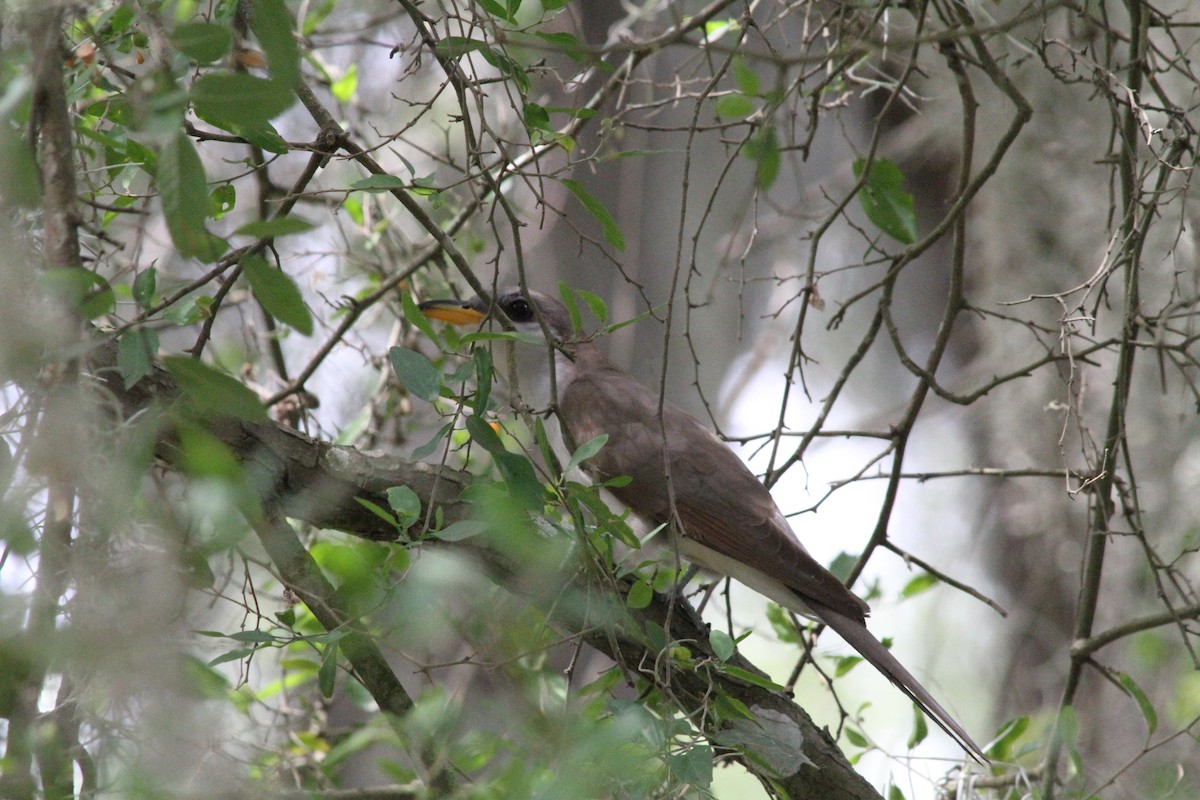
[{"x": 857, "y": 636}]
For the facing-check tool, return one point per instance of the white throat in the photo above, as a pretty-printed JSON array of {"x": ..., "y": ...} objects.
[{"x": 533, "y": 373}]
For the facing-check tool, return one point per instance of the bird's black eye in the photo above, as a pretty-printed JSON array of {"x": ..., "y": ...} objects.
[{"x": 518, "y": 310}]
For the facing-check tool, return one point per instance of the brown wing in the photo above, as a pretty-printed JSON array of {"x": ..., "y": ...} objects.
[{"x": 719, "y": 501}]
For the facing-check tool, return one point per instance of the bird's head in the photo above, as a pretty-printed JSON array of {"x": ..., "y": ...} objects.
[
  {"x": 527, "y": 369},
  {"x": 526, "y": 311}
]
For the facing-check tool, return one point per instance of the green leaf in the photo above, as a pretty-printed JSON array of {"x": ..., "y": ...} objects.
[
  {"x": 211, "y": 390},
  {"x": 537, "y": 118},
  {"x": 412, "y": 313},
  {"x": 920, "y": 728},
  {"x": 722, "y": 644},
  {"x": 845, "y": 664},
  {"x": 327, "y": 675},
  {"x": 406, "y": 504},
  {"x": 894, "y": 793},
  {"x": 640, "y": 595},
  {"x": 204, "y": 42},
  {"x": 751, "y": 678},
  {"x": 1010, "y": 733},
  {"x": 498, "y": 10},
  {"x": 568, "y": 298},
  {"x": 457, "y": 46},
  {"x": 736, "y": 106},
  {"x": 842, "y": 565},
  {"x": 232, "y": 655},
  {"x": 427, "y": 448},
  {"x": 415, "y": 373},
  {"x": 568, "y": 44},
  {"x": 855, "y": 738},
  {"x": 82, "y": 289},
  {"x": 458, "y": 531},
  {"x": 221, "y": 200},
  {"x": 521, "y": 478},
  {"x": 207, "y": 682},
  {"x": 204, "y": 455},
  {"x": 483, "y": 435},
  {"x": 763, "y": 148},
  {"x": 612, "y": 233},
  {"x": 240, "y": 99},
  {"x": 378, "y": 511},
  {"x": 19, "y": 174},
  {"x": 746, "y": 78},
  {"x": 596, "y": 304},
  {"x": 919, "y": 584},
  {"x": 1144, "y": 704},
  {"x": 884, "y": 200},
  {"x": 270, "y": 228},
  {"x": 275, "y": 29},
  {"x": 482, "y": 360},
  {"x": 693, "y": 766},
  {"x": 379, "y": 183},
  {"x": 278, "y": 293},
  {"x": 586, "y": 450},
  {"x": 135, "y": 354},
  {"x": 345, "y": 87},
  {"x": 184, "y": 192}
]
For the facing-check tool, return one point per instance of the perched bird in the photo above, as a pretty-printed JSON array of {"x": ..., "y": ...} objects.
[{"x": 726, "y": 520}]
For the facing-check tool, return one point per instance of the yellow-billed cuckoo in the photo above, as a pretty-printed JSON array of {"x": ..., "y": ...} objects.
[{"x": 730, "y": 523}]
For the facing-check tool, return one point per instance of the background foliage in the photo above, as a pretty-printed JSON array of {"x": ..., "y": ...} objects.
[{"x": 933, "y": 265}]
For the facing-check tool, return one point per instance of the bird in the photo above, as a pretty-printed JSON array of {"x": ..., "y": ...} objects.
[{"x": 680, "y": 476}]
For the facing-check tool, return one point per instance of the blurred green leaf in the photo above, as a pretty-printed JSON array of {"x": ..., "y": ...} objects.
[
  {"x": 406, "y": 504},
  {"x": 844, "y": 664},
  {"x": 842, "y": 565},
  {"x": 212, "y": 390},
  {"x": 1144, "y": 705},
  {"x": 236, "y": 98},
  {"x": 204, "y": 42},
  {"x": 270, "y": 228},
  {"x": 424, "y": 450},
  {"x": 415, "y": 373},
  {"x": 736, "y": 106},
  {"x": 327, "y": 675},
  {"x": 84, "y": 290},
  {"x": 640, "y": 595},
  {"x": 919, "y": 584},
  {"x": 920, "y": 728},
  {"x": 884, "y": 200},
  {"x": 135, "y": 353},
  {"x": 457, "y": 46},
  {"x": 567, "y": 43},
  {"x": 586, "y": 450},
  {"x": 275, "y": 29},
  {"x": 278, "y": 294},
  {"x": 746, "y": 78},
  {"x": 458, "y": 531},
  {"x": 722, "y": 644},
  {"x": 763, "y": 149},
  {"x": 184, "y": 192},
  {"x": 378, "y": 511},
  {"x": 612, "y": 233},
  {"x": 379, "y": 183},
  {"x": 203, "y": 454},
  {"x": 693, "y": 766},
  {"x": 19, "y": 173},
  {"x": 345, "y": 87},
  {"x": 1010, "y": 733}
]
